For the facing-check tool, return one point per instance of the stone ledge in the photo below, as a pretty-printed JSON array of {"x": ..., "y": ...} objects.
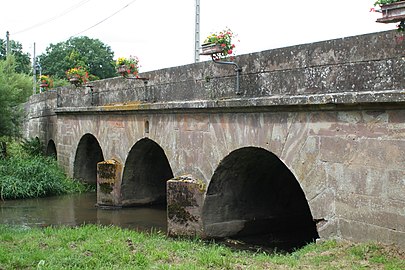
[{"x": 327, "y": 101}]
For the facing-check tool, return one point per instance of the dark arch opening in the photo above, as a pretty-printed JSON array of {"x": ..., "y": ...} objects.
[
  {"x": 254, "y": 196},
  {"x": 51, "y": 149},
  {"x": 145, "y": 174},
  {"x": 88, "y": 154}
]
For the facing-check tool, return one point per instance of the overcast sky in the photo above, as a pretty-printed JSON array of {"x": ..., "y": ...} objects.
[{"x": 161, "y": 32}]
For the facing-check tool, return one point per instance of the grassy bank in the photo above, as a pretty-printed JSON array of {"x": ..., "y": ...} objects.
[
  {"x": 97, "y": 247},
  {"x": 25, "y": 173}
]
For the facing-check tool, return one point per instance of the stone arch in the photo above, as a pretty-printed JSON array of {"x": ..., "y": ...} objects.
[
  {"x": 88, "y": 154},
  {"x": 253, "y": 193},
  {"x": 145, "y": 174},
  {"x": 51, "y": 149}
]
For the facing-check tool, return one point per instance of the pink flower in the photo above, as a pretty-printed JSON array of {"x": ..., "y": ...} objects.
[
  {"x": 229, "y": 51},
  {"x": 223, "y": 45}
]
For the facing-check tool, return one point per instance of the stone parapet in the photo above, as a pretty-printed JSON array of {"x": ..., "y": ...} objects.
[{"x": 350, "y": 67}]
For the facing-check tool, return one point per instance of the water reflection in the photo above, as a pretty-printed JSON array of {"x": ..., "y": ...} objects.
[{"x": 77, "y": 209}]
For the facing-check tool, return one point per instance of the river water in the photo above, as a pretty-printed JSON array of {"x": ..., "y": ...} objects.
[{"x": 78, "y": 209}]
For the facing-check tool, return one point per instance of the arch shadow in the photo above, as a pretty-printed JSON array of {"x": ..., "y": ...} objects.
[
  {"x": 253, "y": 196},
  {"x": 145, "y": 174},
  {"x": 88, "y": 154},
  {"x": 51, "y": 150}
]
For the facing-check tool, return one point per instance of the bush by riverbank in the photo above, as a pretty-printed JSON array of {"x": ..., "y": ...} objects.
[
  {"x": 24, "y": 174},
  {"x": 98, "y": 247}
]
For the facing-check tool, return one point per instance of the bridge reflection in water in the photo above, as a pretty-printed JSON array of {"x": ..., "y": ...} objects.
[{"x": 78, "y": 209}]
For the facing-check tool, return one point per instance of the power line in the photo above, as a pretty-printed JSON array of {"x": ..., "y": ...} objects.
[
  {"x": 53, "y": 18},
  {"x": 127, "y": 5}
]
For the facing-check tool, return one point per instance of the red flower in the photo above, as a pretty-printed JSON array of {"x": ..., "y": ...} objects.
[
  {"x": 229, "y": 51},
  {"x": 223, "y": 45}
]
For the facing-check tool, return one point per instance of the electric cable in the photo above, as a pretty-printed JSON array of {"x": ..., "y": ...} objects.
[
  {"x": 127, "y": 5},
  {"x": 53, "y": 18}
]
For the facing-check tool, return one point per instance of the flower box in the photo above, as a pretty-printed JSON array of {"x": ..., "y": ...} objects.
[
  {"x": 392, "y": 13},
  {"x": 77, "y": 76},
  {"x": 75, "y": 80},
  {"x": 127, "y": 66},
  {"x": 43, "y": 85},
  {"x": 210, "y": 48},
  {"x": 123, "y": 70}
]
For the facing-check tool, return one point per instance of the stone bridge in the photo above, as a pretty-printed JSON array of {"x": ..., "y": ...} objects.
[{"x": 313, "y": 143}]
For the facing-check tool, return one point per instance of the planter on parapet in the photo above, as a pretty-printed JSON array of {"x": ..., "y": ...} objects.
[
  {"x": 211, "y": 48},
  {"x": 392, "y": 13},
  {"x": 123, "y": 70},
  {"x": 75, "y": 81}
]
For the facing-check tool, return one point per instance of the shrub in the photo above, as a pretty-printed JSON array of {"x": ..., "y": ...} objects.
[
  {"x": 33, "y": 146},
  {"x": 36, "y": 176}
]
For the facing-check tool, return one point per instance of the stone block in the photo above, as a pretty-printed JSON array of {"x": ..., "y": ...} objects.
[
  {"x": 385, "y": 153},
  {"x": 356, "y": 179},
  {"x": 328, "y": 229},
  {"x": 109, "y": 183},
  {"x": 363, "y": 232},
  {"x": 185, "y": 198},
  {"x": 323, "y": 205},
  {"x": 395, "y": 185},
  {"x": 376, "y": 211},
  {"x": 337, "y": 150}
]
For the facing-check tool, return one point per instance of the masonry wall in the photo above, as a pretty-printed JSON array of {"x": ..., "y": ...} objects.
[
  {"x": 333, "y": 112},
  {"x": 333, "y": 69},
  {"x": 40, "y": 118}
]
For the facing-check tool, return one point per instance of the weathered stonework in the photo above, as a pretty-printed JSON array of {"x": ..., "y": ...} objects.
[
  {"x": 185, "y": 198},
  {"x": 109, "y": 174},
  {"x": 333, "y": 112}
]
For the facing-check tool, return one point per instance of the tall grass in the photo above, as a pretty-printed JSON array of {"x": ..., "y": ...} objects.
[{"x": 26, "y": 174}]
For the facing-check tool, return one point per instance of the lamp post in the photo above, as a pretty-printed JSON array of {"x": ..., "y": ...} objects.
[{"x": 197, "y": 32}]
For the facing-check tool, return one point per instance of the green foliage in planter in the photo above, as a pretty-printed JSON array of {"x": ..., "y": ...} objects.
[{"x": 385, "y": 2}]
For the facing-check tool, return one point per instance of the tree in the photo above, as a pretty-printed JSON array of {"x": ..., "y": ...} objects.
[
  {"x": 23, "y": 62},
  {"x": 15, "y": 88},
  {"x": 91, "y": 54}
]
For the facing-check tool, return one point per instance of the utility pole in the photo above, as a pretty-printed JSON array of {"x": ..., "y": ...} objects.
[
  {"x": 197, "y": 32},
  {"x": 34, "y": 72},
  {"x": 8, "y": 49}
]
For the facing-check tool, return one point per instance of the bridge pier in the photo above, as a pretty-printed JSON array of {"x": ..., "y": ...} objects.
[
  {"x": 109, "y": 183},
  {"x": 185, "y": 198}
]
